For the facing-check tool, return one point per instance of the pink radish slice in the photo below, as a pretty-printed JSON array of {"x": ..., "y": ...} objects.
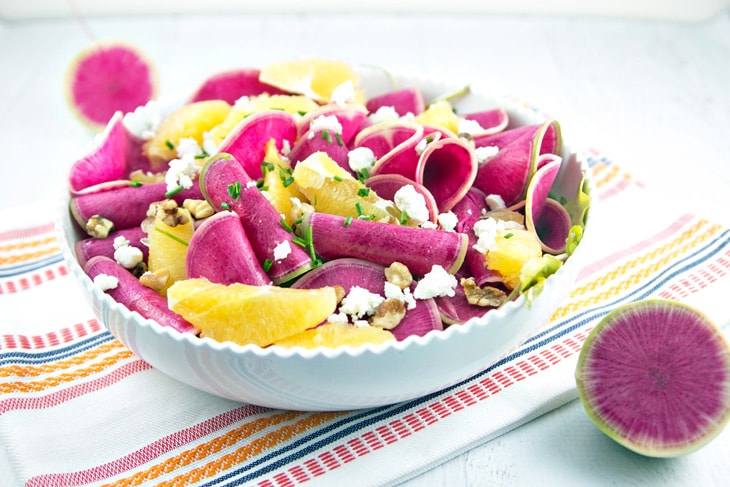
[
  {"x": 402, "y": 158},
  {"x": 405, "y": 100},
  {"x": 135, "y": 296},
  {"x": 247, "y": 141},
  {"x": 221, "y": 252},
  {"x": 92, "y": 247},
  {"x": 349, "y": 272},
  {"x": 508, "y": 172},
  {"x": 457, "y": 310},
  {"x": 553, "y": 227},
  {"x": 469, "y": 209},
  {"x": 106, "y": 161},
  {"x": 386, "y": 185},
  {"x": 352, "y": 118},
  {"x": 232, "y": 85},
  {"x": 447, "y": 168},
  {"x": 491, "y": 121},
  {"x": 125, "y": 206},
  {"x": 538, "y": 190},
  {"x": 226, "y": 185},
  {"x": 384, "y": 243},
  {"x": 320, "y": 141},
  {"x": 383, "y": 138},
  {"x": 553, "y": 224}
]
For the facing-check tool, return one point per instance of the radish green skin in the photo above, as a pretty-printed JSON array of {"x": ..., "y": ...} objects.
[
  {"x": 683, "y": 353},
  {"x": 259, "y": 218},
  {"x": 105, "y": 162},
  {"x": 221, "y": 252},
  {"x": 92, "y": 247},
  {"x": 125, "y": 206},
  {"x": 231, "y": 85},
  {"x": 447, "y": 168},
  {"x": 405, "y": 100},
  {"x": 419, "y": 249},
  {"x": 247, "y": 141},
  {"x": 349, "y": 272},
  {"x": 132, "y": 294}
]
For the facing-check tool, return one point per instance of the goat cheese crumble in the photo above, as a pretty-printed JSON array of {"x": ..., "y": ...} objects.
[
  {"x": 282, "y": 250},
  {"x": 144, "y": 120},
  {"x": 486, "y": 231},
  {"x": 385, "y": 113},
  {"x": 343, "y": 94},
  {"x": 436, "y": 283},
  {"x": 360, "y": 158},
  {"x": 413, "y": 203},
  {"x": 325, "y": 122},
  {"x": 470, "y": 127},
  {"x": 105, "y": 282},
  {"x": 485, "y": 153},
  {"x": 360, "y": 302},
  {"x": 125, "y": 254}
]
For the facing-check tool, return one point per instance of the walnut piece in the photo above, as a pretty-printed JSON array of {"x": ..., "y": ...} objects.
[
  {"x": 399, "y": 275},
  {"x": 198, "y": 208},
  {"x": 171, "y": 214},
  {"x": 388, "y": 314},
  {"x": 155, "y": 280},
  {"x": 99, "y": 227},
  {"x": 486, "y": 296}
]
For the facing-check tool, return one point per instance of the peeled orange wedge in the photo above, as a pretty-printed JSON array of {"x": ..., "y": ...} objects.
[
  {"x": 440, "y": 114},
  {"x": 315, "y": 78},
  {"x": 245, "y": 314},
  {"x": 336, "y": 334},
  {"x": 512, "y": 248},
  {"x": 168, "y": 244}
]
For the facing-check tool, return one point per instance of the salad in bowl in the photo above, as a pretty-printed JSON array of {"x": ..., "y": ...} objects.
[{"x": 308, "y": 235}]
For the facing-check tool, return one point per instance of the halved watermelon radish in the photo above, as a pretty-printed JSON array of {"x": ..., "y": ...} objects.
[
  {"x": 107, "y": 77},
  {"x": 231, "y": 85}
]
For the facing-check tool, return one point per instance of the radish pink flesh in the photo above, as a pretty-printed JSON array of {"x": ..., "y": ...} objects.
[
  {"x": 259, "y": 218},
  {"x": 383, "y": 243},
  {"x": 491, "y": 121},
  {"x": 553, "y": 227},
  {"x": 349, "y": 272},
  {"x": 352, "y": 118},
  {"x": 386, "y": 185},
  {"x": 125, "y": 206},
  {"x": 221, "y": 252},
  {"x": 447, "y": 168},
  {"x": 402, "y": 158},
  {"x": 385, "y": 137},
  {"x": 92, "y": 247},
  {"x": 232, "y": 85},
  {"x": 320, "y": 141},
  {"x": 405, "y": 100},
  {"x": 247, "y": 141},
  {"x": 135, "y": 296},
  {"x": 107, "y": 159},
  {"x": 504, "y": 137},
  {"x": 539, "y": 189},
  {"x": 457, "y": 310}
]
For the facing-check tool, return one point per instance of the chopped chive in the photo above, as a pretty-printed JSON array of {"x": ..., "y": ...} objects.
[
  {"x": 339, "y": 140},
  {"x": 225, "y": 206},
  {"x": 174, "y": 237},
  {"x": 358, "y": 208},
  {"x": 287, "y": 182},
  {"x": 298, "y": 220},
  {"x": 234, "y": 190},
  {"x": 363, "y": 174},
  {"x": 260, "y": 183},
  {"x": 363, "y": 192},
  {"x": 286, "y": 226},
  {"x": 348, "y": 221},
  {"x": 403, "y": 218},
  {"x": 169, "y": 144},
  {"x": 509, "y": 235},
  {"x": 135, "y": 184},
  {"x": 366, "y": 217},
  {"x": 429, "y": 139},
  {"x": 327, "y": 136},
  {"x": 301, "y": 112},
  {"x": 200, "y": 156},
  {"x": 173, "y": 192},
  {"x": 314, "y": 203},
  {"x": 310, "y": 244},
  {"x": 267, "y": 265},
  {"x": 299, "y": 241},
  {"x": 267, "y": 166},
  {"x": 338, "y": 178}
]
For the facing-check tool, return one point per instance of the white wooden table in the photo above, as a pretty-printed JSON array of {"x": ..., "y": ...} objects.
[{"x": 654, "y": 96}]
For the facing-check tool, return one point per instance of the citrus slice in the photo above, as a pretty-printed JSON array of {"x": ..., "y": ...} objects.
[
  {"x": 245, "y": 314},
  {"x": 336, "y": 334},
  {"x": 511, "y": 249},
  {"x": 315, "y": 78},
  {"x": 107, "y": 77},
  {"x": 441, "y": 114},
  {"x": 190, "y": 121},
  {"x": 332, "y": 189},
  {"x": 168, "y": 238},
  {"x": 278, "y": 183}
]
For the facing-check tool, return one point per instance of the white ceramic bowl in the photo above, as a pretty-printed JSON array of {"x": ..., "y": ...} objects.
[{"x": 346, "y": 377}]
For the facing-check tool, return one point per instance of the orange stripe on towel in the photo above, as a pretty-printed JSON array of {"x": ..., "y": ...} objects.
[{"x": 49, "y": 368}]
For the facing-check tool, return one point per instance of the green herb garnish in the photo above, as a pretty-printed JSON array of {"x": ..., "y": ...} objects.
[
  {"x": 267, "y": 265},
  {"x": 234, "y": 190},
  {"x": 173, "y": 192}
]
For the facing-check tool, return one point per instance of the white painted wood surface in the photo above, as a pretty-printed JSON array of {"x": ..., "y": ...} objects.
[{"x": 652, "y": 95}]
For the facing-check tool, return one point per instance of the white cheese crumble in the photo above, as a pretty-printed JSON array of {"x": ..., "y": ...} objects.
[
  {"x": 125, "y": 254},
  {"x": 471, "y": 127},
  {"x": 436, "y": 283},
  {"x": 392, "y": 291},
  {"x": 412, "y": 202},
  {"x": 448, "y": 221},
  {"x": 337, "y": 318},
  {"x": 282, "y": 250},
  {"x": 495, "y": 202},
  {"x": 243, "y": 104},
  {"x": 486, "y": 231},
  {"x": 144, "y": 120},
  {"x": 180, "y": 172},
  {"x": 120, "y": 241},
  {"x": 384, "y": 114},
  {"x": 360, "y": 158},
  {"x": 105, "y": 282},
  {"x": 360, "y": 302},
  {"x": 485, "y": 153},
  {"x": 325, "y": 122},
  {"x": 343, "y": 93}
]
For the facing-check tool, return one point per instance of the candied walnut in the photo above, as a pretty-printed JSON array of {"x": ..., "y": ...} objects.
[
  {"x": 171, "y": 214},
  {"x": 506, "y": 215},
  {"x": 399, "y": 275},
  {"x": 486, "y": 296},
  {"x": 198, "y": 208},
  {"x": 155, "y": 280},
  {"x": 99, "y": 227},
  {"x": 388, "y": 314}
]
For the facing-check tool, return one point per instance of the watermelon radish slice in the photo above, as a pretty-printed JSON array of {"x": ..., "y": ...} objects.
[
  {"x": 394, "y": 147},
  {"x": 386, "y": 185},
  {"x": 231, "y": 85},
  {"x": 417, "y": 248},
  {"x": 456, "y": 309},
  {"x": 353, "y": 119},
  {"x": 320, "y": 141},
  {"x": 106, "y": 161},
  {"x": 491, "y": 121},
  {"x": 221, "y": 252},
  {"x": 654, "y": 375},
  {"x": 108, "y": 77},
  {"x": 135, "y": 296},
  {"x": 349, "y": 272},
  {"x": 447, "y": 168},
  {"x": 226, "y": 185},
  {"x": 546, "y": 217},
  {"x": 404, "y": 101},
  {"x": 247, "y": 141},
  {"x": 92, "y": 247},
  {"x": 125, "y": 206}
]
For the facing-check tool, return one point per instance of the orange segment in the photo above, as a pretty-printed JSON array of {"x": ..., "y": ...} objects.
[
  {"x": 511, "y": 249},
  {"x": 315, "y": 78},
  {"x": 440, "y": 114},
  {"x": 168, "y": 244},
  {"x": 331, "y": 189},
  {"x": 335, "y": 334},
  {"x": 191, "y": 120},
  {"x": 278, "y": 185},
  {"x": 245, "y": 314}
]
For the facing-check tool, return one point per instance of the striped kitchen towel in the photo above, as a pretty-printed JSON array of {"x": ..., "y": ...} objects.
[{"x": 78, "y": 408}]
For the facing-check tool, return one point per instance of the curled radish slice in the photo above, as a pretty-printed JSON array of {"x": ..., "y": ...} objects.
[
  {"x": 447, "y": 168},
  {"x": 394, "y": 146},
  {"x": 352, "y": 119},
  {"x": 491, "y": 121},
  {"x": 403, "y": 101},
  {"x": 231, "y": 85},
  {"x": 386, "y": 185}
]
